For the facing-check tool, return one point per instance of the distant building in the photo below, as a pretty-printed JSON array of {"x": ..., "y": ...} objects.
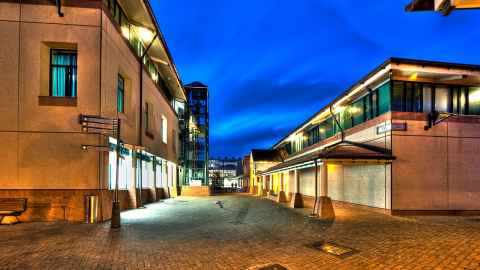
[
  {"x": 196, "y": 137},
  {"x": 261, "y": 160},
  {"x": 227, "y": 170},
  {"x": 246, "y": 172}
]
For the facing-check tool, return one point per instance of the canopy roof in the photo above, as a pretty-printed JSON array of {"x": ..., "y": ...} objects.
[{"x": 341, "y": 151}]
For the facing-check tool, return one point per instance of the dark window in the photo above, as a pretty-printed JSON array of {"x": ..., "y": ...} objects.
[
  {"x": 63, "y": 73},
  {"x": 357, "y": 112},
  {"x": 384, "y": 99},
  {"x": 417, "y": 103},
  {"x": 120, "y": 94},
  {"x": 398, "y": 95}
]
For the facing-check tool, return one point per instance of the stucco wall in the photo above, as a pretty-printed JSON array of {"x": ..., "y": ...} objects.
[
  {"x": 436, "y": 169},
  {"x": 42, "y": 143}
]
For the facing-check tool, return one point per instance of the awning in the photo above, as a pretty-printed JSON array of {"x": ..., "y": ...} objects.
[
  {"x": 141, "y": 14},
  {"x": 341, "y": 151}
]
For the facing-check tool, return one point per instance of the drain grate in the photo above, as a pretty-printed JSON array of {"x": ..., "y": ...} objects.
[
  {"x": 274, "y": 266},
  {"x": 334, "y": 249}
]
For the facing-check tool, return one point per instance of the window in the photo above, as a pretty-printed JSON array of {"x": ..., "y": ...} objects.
[
  {"x": 357, "y": 112},
  {"x": 427, "y": 98},
  {"x": 63, "y": 73},
  {"x": 474, "y": 101},
  {"x": 120, "y": 94},
  {"x": 384, "y": 99},
  {"x": 441, "y": 99},
  {"x": 398, "y": 97},
  {"x": 164, "y": 129},
  {"x": 459, "y": 100}
]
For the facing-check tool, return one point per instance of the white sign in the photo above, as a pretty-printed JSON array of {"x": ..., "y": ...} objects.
[
  {"x": 388, "y": 126},
  {"x": 196, "y": 183},
  {"x": 384, "y": 128}
]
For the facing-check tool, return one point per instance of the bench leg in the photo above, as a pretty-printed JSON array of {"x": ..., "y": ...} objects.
[{"x": 8, "y": 220}]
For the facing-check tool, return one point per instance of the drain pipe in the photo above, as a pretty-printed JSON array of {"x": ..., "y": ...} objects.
[
  {"x": 59, "y": 8},
  {"x": 338, "y": 124},
  {"x": 140, "y": 134}
]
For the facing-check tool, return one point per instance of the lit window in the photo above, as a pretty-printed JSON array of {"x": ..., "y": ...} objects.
[
  {"x": 441, "y": 99},
  {"x": 63, "y": 73},
  {"x": 164, "y": 129}
]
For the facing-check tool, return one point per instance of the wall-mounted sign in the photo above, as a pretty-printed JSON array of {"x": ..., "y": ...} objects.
[
  {"x": 195, "y": 183},
  {"x": 388, "y": 126}
]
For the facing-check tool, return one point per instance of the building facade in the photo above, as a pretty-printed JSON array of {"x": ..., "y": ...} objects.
[
  {"x": 99, "y": 58},
  {"x": 260, "y": 160},
  {"x": 226, "y": 171},
  {"x": 246, "y": 173},
  {"x": 403, "y": 139},
  {"x": 197, "y": 136}
]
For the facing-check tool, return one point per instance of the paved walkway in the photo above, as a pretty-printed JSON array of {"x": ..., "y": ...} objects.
[{"x": 196, "y": 233}]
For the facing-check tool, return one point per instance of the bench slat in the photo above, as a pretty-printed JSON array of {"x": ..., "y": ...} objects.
[{"x": 13, "y": 205}]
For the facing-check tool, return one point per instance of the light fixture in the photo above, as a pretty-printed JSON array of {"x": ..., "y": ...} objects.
[
  {"x": 145, "y": 34},
  {"x": 338, "y": 109},
  {"x": 84, "y": 147},
  {"x": 414, "y": 76}
]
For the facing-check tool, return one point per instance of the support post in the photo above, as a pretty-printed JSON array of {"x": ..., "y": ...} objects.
[
  {"x": 281, "y": 194},
  {"x": 116, "y": 223},
  {"x": 325, "y": 206},
  {"x": 297, "y": 201}
]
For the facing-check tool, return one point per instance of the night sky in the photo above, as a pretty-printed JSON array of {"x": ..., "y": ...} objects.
[{"x": 270, "y": 64}]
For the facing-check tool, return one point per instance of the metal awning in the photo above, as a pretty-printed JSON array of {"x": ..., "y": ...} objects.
[{"x": 342, "y": 151}]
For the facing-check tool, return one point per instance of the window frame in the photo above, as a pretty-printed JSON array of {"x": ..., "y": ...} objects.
[
  {"x": 69, "y": 72},
  {"x": 122, "y": 90}
]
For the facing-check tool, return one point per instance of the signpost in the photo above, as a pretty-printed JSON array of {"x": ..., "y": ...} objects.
[{"x": 94, "y": 124}]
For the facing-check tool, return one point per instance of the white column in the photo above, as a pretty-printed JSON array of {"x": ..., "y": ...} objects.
[
  {"x": 324, "y": 180},
  {"x": 297, "y": 181},
  {"x": 281, "y": 182}
]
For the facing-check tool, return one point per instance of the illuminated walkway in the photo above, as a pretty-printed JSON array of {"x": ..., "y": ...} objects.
[{"x": 196, "y": 233}]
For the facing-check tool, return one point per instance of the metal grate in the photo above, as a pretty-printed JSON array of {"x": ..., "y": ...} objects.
[{"x": 334, "y": 249}]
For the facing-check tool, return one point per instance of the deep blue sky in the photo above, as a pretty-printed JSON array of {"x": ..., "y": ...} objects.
[{"x": 270, "y": 64}]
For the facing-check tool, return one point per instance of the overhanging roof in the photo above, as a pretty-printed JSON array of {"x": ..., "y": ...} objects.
[
  {"x": 141, "y": 13},
  {"x": 269, "y": 155},
  {"x": 341, "y": 151},
  {"x": 372, "y": 74},
  {"x": 420, "y": 5}
]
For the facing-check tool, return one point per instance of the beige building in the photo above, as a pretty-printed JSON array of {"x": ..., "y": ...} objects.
[
  {"x": 259, "y": 161},
  {"x": 102, "y": 58},
  {"x": 404, "y": 139}
]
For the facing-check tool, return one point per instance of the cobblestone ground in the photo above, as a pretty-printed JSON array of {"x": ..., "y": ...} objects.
[{"x": 196, "y": 233}]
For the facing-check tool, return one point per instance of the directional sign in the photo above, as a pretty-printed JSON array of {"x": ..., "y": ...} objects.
[{"x": 99, "y": 125}]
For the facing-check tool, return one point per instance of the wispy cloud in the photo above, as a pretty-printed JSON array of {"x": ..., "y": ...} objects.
[{"x": 270, "y": 64}]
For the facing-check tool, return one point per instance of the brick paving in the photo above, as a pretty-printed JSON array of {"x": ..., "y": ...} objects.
[{"x": 196, "y": 233}]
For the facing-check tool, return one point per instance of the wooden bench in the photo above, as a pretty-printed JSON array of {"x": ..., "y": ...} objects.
[{"x": 11, "y": 208}]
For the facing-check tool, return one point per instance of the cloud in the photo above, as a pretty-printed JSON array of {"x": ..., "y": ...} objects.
[{"x": 271, "y": 64}]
